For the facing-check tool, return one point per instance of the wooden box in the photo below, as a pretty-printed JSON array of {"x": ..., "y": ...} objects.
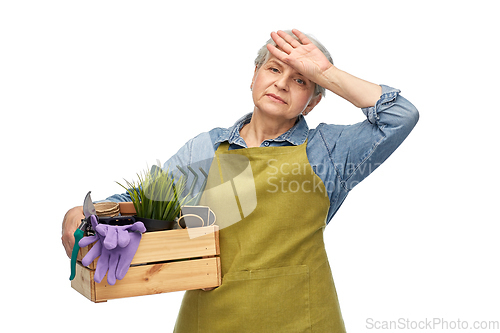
[{"x": 166, "y": 261}]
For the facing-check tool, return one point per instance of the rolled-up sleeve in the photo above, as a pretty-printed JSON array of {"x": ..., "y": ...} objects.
[{"x": 363, "y": 147}]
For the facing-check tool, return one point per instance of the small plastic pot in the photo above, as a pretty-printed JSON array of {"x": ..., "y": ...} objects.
[{"x": 155, "y": 225}]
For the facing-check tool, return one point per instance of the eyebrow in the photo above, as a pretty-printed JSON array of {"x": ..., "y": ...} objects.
[
  {"x": 281, "y": 63},
  {"x": 275, "y": 61}
]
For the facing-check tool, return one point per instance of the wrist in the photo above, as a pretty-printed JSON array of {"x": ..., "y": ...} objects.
[
  {"x": 330, "y": 79},
  {"x": 359, "y": 92}
]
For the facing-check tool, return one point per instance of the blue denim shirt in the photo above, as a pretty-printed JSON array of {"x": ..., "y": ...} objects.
[{"x": 341, "y": 155}]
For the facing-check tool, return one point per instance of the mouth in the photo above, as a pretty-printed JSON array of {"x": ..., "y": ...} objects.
[{"x": 276, "y": 98}]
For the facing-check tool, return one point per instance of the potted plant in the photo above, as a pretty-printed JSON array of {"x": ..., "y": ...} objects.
[{"x": 157, "y": 198}]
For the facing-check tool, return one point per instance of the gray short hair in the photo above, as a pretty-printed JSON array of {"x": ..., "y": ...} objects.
[{"x": 263, "y": 56}]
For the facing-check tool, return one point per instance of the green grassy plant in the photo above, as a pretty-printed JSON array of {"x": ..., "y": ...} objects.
[{"x": 156, "y": 195}]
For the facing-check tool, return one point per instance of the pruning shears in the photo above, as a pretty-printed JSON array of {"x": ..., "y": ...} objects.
[{"x": 88, "y": 210}]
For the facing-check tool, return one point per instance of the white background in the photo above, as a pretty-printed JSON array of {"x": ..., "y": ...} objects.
[{"x": 92, "y": 92}]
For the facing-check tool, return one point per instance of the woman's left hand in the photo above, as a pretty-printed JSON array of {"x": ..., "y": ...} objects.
[{"x": 305, "y": 58}]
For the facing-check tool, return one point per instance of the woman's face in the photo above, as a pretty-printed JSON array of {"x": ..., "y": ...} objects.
[{"x": 280, "y": 91}]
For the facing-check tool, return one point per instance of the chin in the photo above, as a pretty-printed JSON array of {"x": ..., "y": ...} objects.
[{"x": 279, "y": 115}]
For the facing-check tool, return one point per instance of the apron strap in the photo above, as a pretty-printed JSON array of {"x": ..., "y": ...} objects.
[{"x": 223, "y": 147}]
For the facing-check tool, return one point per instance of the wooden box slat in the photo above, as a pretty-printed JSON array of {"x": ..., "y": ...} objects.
[
  {"x": 178, "y": 244},
  {"x": 151, "y": 279}
]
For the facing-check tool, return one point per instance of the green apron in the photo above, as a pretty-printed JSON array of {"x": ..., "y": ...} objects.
[{"x": 271, "y": 208}]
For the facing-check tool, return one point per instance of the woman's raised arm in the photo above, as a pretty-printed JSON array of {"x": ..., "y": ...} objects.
[{"x": 307, "y": 59}]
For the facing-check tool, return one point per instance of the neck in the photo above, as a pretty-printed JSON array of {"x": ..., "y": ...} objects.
[{"x": 261, "y": 128}]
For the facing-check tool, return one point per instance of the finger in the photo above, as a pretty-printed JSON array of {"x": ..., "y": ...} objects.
[
  {"x": 281, "y": 43},
  {"x": 122, "y": 269},
  {"x": 276, "y": 52},
  {"x": 111, "y": 240},
  {"x": 138, "y": 226},
  {"x": 68, "y": 243},
  {"x": 102, "y": 229},
  {"x": 127, "y": 255},
  {"x": 102, "y": 267},
  {"x": 87, "y": 240},
  {"x": 113, "y": 263},
  {"x": 289, "y": 39},
  {"x": 282, "y": 56},
  {"x": 123, "y": 266},
  {"x": 93, "y": 253},
  {"x": 303, "y": 38},
  {"x": 123, "y": 237},
  {"x": 70, "y": 223}
]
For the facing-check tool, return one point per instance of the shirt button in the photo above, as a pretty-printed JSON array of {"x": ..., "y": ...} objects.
[{"x": 266, "y": 144}]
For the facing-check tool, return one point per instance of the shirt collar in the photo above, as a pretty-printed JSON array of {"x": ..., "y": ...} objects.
[{"x": 296, "y": 135}]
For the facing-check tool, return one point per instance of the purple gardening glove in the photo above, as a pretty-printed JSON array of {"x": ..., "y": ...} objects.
[
  {"x": 116, "y": 246},
  {"x": 119, "y": 247}
]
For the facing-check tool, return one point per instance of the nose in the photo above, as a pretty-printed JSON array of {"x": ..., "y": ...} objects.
[{"x": 281, "y": 83}]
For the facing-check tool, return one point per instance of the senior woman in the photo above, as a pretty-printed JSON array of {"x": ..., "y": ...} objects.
[{"x": 275, "y": 184}]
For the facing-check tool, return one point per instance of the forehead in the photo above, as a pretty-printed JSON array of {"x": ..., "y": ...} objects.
[{"x": 275, "y": 61}]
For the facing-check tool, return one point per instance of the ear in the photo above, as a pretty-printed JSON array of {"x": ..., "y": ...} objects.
[{"x": 312, "y": 103}]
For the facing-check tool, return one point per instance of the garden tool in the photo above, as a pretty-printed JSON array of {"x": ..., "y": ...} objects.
[{"x": 88, "y": 210}]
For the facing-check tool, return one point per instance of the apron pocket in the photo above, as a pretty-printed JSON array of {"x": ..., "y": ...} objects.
[{"x": 268, "y": 300}]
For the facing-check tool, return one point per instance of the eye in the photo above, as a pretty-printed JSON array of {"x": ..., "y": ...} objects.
[
  {"x": 274, "y": 70},
  {"x": 301, "y": 82}
]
